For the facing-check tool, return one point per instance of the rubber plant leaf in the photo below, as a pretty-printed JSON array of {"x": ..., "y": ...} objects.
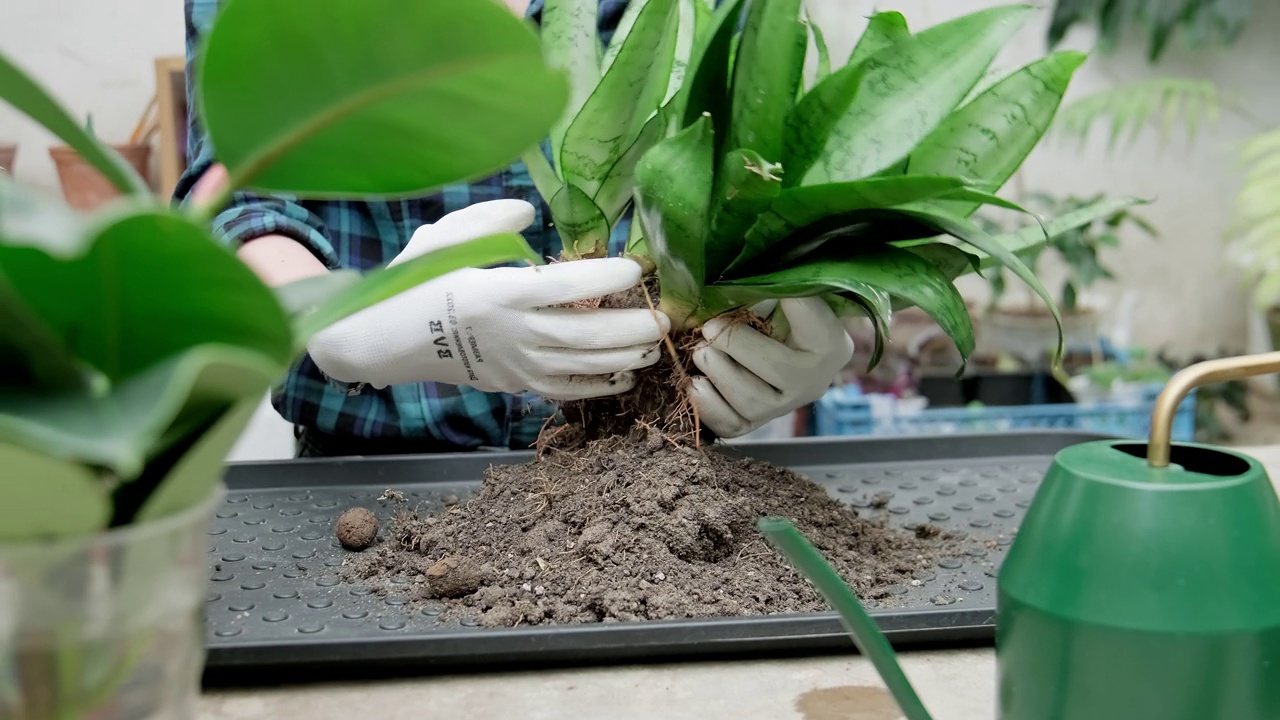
[
  {"x": 571, "y": 44},
  {"x": 891, "y": 270},
  {"x": 629, "y": 93},
  {"x": 673, "y": 194},
  {"x": 422, "y": 114},
  {"x": 908, "y": 90},
  {"x": 315, "y": 309},
  {"x": 989, "y": 138},
  {"x": 121, "y": 429},
  {"x": 31, "y": 480},
  {"x": 147, "y": 283},
  {"x": 883, "y": 29},
  {"x": 22, "y": 92},
  {"x": 766, "y": 73}
]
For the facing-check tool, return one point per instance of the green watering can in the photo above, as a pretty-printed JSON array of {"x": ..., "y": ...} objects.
[{"x": 1143, "y": 583}]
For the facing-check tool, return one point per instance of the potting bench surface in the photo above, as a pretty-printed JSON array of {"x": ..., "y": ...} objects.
[{"x": 956, "y": 685}]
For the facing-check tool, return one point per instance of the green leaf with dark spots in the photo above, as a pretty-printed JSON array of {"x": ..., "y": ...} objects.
[
  {"x": 891, "y": 270},
  {"x": 814, "y": 118},
  {"x": 824, "y": 55},
  {"x": 966, "y": 231},
  {"x": 629, "y": 93},
  {"x": 883, "y": 29},
  {"x": 673, "y": 195},
  {"x": 951, "y": 260},
  {"x": 765, "y": 74},
  {"x": 583, "y": 228},
  {"x": 707, "y": 89},
  {"x": 571, "y": 44},
  {"x": 749, "y": 185},
  {"x": 615, "y": 193},
  {"x": 989, "y": 138},
  {"x": 908, "y": 91}
]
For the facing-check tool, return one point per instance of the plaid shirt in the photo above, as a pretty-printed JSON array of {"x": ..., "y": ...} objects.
[{"x": 364, "y": 236}]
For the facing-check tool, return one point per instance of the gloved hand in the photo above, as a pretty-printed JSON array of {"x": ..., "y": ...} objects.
[
  {"x": 751, "y": 378},
  {"x": 497, "y": 329}
]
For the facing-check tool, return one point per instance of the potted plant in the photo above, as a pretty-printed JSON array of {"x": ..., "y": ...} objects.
[
  {"x": 749, "y": 185},
  {"x": 84, "y": 187},
  {"x": 1024, "y": 329},
  {"x": 136, "y": 347}
]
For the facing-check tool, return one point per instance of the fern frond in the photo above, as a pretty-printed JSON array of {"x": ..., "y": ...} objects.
[
  {"x": 1255, "y": 229},
  {"x": 1129, "y": 108}
]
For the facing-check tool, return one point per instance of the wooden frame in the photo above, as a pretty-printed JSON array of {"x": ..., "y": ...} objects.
[{"x": 171, "y": 98}]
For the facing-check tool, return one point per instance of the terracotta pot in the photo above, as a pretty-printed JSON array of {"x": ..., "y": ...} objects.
[
  {"x": 7, "y": 154},
  {"x": 84, "y": 187}
]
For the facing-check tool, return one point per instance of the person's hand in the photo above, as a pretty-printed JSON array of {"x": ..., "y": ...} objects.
[
  {"x": 498, "y": 329},
  {"x": 751, "y": 378}
]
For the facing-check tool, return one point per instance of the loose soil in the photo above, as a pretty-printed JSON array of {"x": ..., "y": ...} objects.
[
  {"x": 634, "y": 528},
  {"x": 626, "y": 514}
]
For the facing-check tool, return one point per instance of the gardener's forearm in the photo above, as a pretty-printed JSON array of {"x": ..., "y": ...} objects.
[{"x": 279, "y": 260}]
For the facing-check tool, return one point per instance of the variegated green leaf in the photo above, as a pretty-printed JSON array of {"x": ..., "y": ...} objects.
[
  {"x": 629, "y": 93},
  {"x": 621, "y": 33},
  {"x": 673, "y": 194},
  {"x": 583, "y": 228},
  {"x": 615, "y": 193},
  {"x": 894, "y": 271},
  {"x": 824, "y": 55},
  {"x": 989, "y": 138},
  {"x": 707, "y": 89},
  {"x": 765, "y": 75},
  {"x": 749, "y": 184},
  {"x": 883, "y": 29},
  {"x": 686, "y": 32},
  {"x": 907, "y": 92},
  {"x": 571, "y": 43}
]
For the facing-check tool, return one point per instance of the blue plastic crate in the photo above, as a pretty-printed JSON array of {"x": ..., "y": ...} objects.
[{"x": 847, "y": 411}]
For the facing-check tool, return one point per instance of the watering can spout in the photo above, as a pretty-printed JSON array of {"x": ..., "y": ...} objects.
[{"x": 1145, "y": 581}]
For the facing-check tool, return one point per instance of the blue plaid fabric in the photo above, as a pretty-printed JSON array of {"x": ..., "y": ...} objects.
[{"x": 366, "y": 235}]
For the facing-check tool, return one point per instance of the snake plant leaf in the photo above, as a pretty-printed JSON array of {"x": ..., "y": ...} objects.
[
  {"x": 966, "y": 231},
  {"x": 800, "y": 207},
  {"x": 423, "y": 114},
  {"x": 891, "y": 270},
  {"x": 814, "y": 118},
  {"x": 22, "y": 92},
  {"x": 121, "y": 429},
  {"x": 909, "y": 89},
  {"x": 749, "y": 185},
  {"x": 883, "y": 29},
  {"x": 989, "y": 138},
  {"x": 707, "y": 88},
  {"x": 874, "y": 304},
  {"x": 583, "y": 227},
  {"x": 147, "y": 284},
  {"x": 621, "y": 33},
  {"x": 624, "y": 100},
  {"x": 951, "y": 260},
  {"x": 674, "y": 181},
  {"x": 614, "y": 195},
  {"x": 545, "y": 179},
  {"x": 686, "y": 34},
  {"x": 765, "y": 76},
  {"x": 29, "y": 483},
  {"x": 823, "y": 68},
  {"x": 571, "y": 43},
  {"x": 317, "y": 306}
]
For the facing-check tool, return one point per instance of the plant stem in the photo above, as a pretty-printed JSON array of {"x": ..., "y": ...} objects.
[{"x": 870, "y": 641}]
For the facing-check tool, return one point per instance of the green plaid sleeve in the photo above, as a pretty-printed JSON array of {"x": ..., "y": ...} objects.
[{"x": 248, "y": 215}]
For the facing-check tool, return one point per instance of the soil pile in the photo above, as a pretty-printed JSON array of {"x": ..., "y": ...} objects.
[{"x": 634, "y": 528}]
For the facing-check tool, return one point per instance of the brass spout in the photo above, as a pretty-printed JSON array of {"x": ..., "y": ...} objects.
[{"x": 1190, "y": 378}]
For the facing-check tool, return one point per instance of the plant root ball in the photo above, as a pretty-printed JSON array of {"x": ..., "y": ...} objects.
[{"x": 357, "y": 528}]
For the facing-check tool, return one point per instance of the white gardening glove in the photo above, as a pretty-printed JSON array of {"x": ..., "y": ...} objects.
[
  {"x": 751, "y": 378},
  {"x": 496, "y": 329}
]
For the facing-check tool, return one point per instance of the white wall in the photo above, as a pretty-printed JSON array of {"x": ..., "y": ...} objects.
[{"x": 97, "y": 57}]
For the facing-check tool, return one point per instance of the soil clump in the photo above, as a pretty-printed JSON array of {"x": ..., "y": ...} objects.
[{"x": 637, "y": 527}]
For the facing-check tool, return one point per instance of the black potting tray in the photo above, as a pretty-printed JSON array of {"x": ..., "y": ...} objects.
[{"x": 276, "y": 605}]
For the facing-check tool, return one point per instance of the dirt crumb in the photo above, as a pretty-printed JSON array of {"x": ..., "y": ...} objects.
[
  {"x": 635, "y": 528},
  {"x": 357, "y": 528}
]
